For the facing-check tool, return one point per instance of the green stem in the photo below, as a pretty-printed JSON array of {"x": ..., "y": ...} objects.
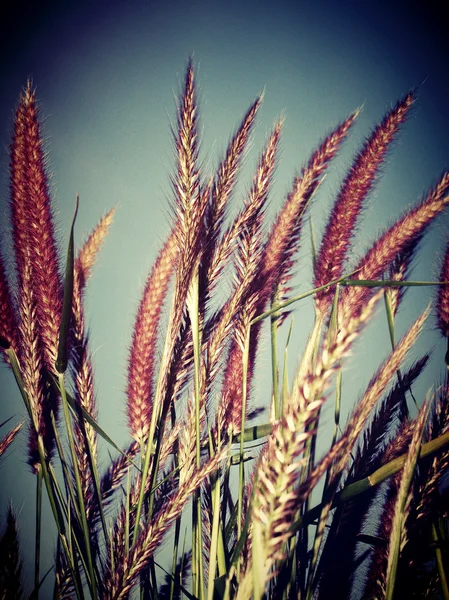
[
  {"x": 245, "y": 359},
  {"x": 350, "y": 282},
  {"x": 81, "y": 506},
  {"x": 302, "y": 297},
  {"x": 275, "y": 409},
  {"x": 174, "y": 576},
  {"x": 37, "y": 552},
  {"x": 193, "y": 309},
  {"x": 253, "y": 433},
  {"x": 390, "y": 320},
  {"x": 214, "y": 543},
  {"x": 285, "y": 385}
]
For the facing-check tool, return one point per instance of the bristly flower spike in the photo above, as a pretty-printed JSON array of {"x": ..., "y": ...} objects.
[
  {"x": 32, "y": 220},
  {"x": 34, "y": 375},
  {"x": 405, "y": 233},
  {"x": 247, "y": 289},
  {"x": 81, "y": 364},
  {"x": 8, "y": 439},
  {"x": 144, "y": 341},
  {"x": 187, "y": 182},
  {"x": 217, "y": 252},
  {"x": 283, "y": 241},
  {"x": 360, "y": 180},
  {"x": 181, "y": 254},
  {"x": 38, "y": 277}
]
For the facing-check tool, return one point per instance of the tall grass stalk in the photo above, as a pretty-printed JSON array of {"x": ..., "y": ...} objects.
[{"x": 273, "y": 512}]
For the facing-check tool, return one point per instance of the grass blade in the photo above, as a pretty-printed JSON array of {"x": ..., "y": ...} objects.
[{"x": 64, "y": 332}]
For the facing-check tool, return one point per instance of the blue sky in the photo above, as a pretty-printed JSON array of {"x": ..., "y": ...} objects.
[{"x": 107, "y": 74}]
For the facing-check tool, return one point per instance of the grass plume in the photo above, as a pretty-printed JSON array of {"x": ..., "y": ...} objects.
[{"x": 358, "y": 183}]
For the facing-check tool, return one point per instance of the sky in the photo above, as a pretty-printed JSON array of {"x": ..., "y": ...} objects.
[{"x": 107, "y": 74}]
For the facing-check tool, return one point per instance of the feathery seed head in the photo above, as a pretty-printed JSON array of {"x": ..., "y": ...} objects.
[
  {"x": 37, "y": 386},
  {"x": 88, "y": 253},
  {"x": 32, "y": 220},
  {"x": 82, "y": 270},
  {"x": 285, "y": 233},
  {"x": 8, "y": 439},
  {"x": 144, "y": 342},
  {"x": 250, "y": 290},
  {"x": 186, "y": 184},
  {"x": 349, "y": 203},
  {"x": 36, "y": 260},
  {"x": 404, "y": 234},
  {"x": 218, "y": 250}
]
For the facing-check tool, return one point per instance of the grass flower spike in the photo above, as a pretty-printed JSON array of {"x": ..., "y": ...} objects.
[
  {"x": 144, "y": 344},
  {"x": 33, "y": 229},
  {"x": 348, "y": 205},
  {"x": 37, "y": 268},
  {"x": 406, "y": 232}
]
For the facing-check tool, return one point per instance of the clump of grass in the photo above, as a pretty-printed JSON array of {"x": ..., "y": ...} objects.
[{"x": 255, "y": 533}]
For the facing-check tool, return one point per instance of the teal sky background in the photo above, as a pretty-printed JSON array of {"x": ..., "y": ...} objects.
[{"x": 107, "y": 74}]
